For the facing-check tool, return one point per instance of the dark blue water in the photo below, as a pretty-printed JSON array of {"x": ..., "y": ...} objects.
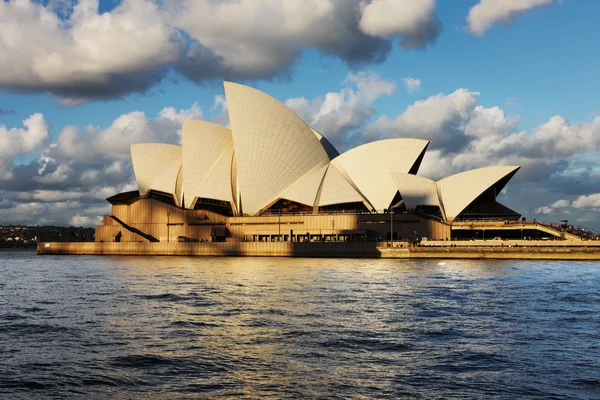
[{"x": 169, "y": 327}]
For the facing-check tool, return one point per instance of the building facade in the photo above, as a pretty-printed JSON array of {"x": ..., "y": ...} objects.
[{"x": 271, "y": 177}]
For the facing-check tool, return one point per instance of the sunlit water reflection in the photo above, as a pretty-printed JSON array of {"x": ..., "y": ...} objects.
[{"x": 281, "y": 327}]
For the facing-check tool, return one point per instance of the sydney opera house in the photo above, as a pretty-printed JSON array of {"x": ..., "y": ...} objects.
[{"x": 271, "y": 177}]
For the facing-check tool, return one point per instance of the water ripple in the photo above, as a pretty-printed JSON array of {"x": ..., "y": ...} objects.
[{"x": 175, "y": 327}]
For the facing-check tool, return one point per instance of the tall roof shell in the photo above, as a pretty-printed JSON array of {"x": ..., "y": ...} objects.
[
  {"x": 416, "y": 190},
  {"x": 458, "y": 191},
  {"x": 335, "y": 189},
  {"x": 207, "y": 152},
  {"x": 156, "y": 166},
  {"x": 368, "y": 167},
  {"x": 273, "y": 146}
]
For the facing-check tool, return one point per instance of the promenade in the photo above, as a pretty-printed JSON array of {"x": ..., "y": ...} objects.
[{"x": 525, "y": 250}]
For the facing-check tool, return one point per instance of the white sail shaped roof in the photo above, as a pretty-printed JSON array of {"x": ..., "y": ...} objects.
[
  {"x": 368, "y": 167},
  {"x": 416, "y": 190},
  {"x": 156, "y": 166},
  {"x": 336, "y": 189},
  {"x": 273, "y": 146},
  {"x": 217, "y": 184},
  {"x": 458, "y": 191},
  {"x": 306, "y": 188},
  {"x": 207, "y": 154},
  {"x": 270, "y": 153}
]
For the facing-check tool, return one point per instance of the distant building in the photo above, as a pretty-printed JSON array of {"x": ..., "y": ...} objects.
[{"x": 272, "y": 177}]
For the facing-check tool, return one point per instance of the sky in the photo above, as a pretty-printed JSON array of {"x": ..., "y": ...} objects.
[{"x": 488, "y": 82}]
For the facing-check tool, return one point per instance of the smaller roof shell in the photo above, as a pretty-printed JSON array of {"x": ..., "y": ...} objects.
[
  {"x": 335, "y": 189},
  {"x": 458, "y": 191},
  {"x": 368, "y": 167},
  {"x": 156, "y": 167},
  {"x": 416, "y": 190},
  {"x": 207, "y": 153},
  {"x": 306, "y": 188}
]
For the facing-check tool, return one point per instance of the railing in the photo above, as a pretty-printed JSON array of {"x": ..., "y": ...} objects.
[
  {"x": 320, "y": 212},
  {"x": 557, "y": 229}
]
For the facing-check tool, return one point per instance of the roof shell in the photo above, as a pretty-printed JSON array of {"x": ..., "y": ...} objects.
[
  {"x": 207, "y": 152},
  {"x": 217, "y": 184},
  {"x": 368, "y": 167},
  {"x": 305, "y": 189},
  {"x": 416, "y": 190},
  {"x": 458, "y": 191},
  {"x": 335, "y": 189},
  {"x": 156, "y": 166},
  {"x": 273, "y": 146}
]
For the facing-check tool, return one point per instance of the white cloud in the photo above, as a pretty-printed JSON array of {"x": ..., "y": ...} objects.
[
  {"x": 61, "y": 174},
  {"x": 74, "y": 52},
  {"x": 170, "y": 113},
  {"x": 50, "y": 195},
  {"x": 16, "y": 142},
  {"x": 93, "y": 144},
  {"x": 89, "y": 176},
  {"x": 80, "y": 169},
  {"x": 339, "y": 114},
  {"x": 89, "y": 55},
  {"x": 560, "y": 204},
  {"x": 412, "y": 85},
  {"x": 413, "y": 20},
  {"x": 488, "y": 12},
  {"x": 552, "y": 208},
  {"x": 220, "y": 110},
  {"x": 84, "y": 220},
  {"x": 472, "y": 136},
  {"x": 544, "y": 210},
  {"x": 370, "y": 86},
  {"x": 587, "y": 201},
  {"x": 491, "y": 121},
  {"x": 439, "y": 118}
]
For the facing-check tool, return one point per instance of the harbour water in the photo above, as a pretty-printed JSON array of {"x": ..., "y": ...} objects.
[{"x": 169, "y": 327}]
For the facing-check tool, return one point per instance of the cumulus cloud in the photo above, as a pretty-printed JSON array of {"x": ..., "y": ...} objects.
[
  {"x": 552, "y": 208},
  {"x": 488, "y": 12},
  {"x": 412, "y": 85},
  {"x": 17, "y": 142},
  {"x": 560, "y": 204},
  {"x": 545, "y": 210},
  {"x": 427, "y": 119},
  {"x": 78, "y": 54},
  {"x": 84, "y": 220},
  {"x": 414, "y": 20},
  {"x": 467, "y": 135},
  {"x": 67, "y": 181},
  {"x": 341, "y": 115},
  {"x": 587, "y": 201},
  {"x": 93, "y": 144},
  {"x": 88, "y": 55}
]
